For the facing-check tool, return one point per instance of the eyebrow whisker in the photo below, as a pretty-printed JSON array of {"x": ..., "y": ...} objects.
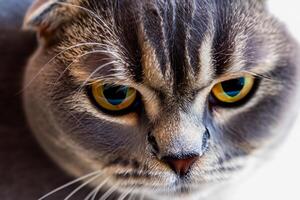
[
  {"x": 103, "y": 23},
  {"x": 53, "y": 58},
  {"x": 263, "y": 76},
  {"x": 76, "y": 60}
]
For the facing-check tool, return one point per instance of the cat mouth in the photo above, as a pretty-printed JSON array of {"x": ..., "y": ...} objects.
[
  {"x": 178, "y": 185},
  {"x": 167, "y": 184},
  {"x": 183, "y": 187},
  {"x": 184, "y": 190},
  {"x": 179, "y": 189}
]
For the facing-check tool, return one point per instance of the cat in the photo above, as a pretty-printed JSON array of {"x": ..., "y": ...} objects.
[{"x": 160, "y": 99}]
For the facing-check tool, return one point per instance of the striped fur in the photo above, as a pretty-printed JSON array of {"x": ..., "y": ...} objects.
[{"x": 172, "y": 52}]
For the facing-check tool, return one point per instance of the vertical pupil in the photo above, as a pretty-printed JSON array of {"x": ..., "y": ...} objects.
[
  {"x": 115, "y": 95},
  {"x": 233, "y": 87}
]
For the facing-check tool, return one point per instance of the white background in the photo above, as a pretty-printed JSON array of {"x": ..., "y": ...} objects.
[{"x": 280, "y": 178}]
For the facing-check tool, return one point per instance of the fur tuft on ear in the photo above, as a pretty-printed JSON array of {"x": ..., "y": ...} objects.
[{"x": 45, "y": 16}]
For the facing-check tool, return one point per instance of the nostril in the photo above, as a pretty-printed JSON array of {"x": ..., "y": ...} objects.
[
  {"x": 205, "y": 140},
  {"x": 181, "y": 166},
  {"x": 152, "y": 141}
]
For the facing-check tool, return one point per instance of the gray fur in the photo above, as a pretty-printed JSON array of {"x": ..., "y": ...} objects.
[{"x": 156, "y": 47}]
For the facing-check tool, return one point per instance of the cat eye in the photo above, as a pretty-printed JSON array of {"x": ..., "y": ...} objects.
[
  {"x": 113, "y": 98},
  {"x": 234, "y": 90}
]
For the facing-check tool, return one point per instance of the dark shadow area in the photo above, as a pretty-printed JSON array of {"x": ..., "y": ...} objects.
[{"x": 26, "y": 173}]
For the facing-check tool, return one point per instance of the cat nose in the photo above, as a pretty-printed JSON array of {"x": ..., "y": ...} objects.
[
  {"x": 182, "y": 156},
  {"x": 180, "y": 165}
]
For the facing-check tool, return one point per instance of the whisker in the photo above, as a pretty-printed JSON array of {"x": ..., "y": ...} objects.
[
  {"x": 142, "y": 196},
  {"x": 52, "y": 59},
  {"x": 86, "y": 81},
  {"x": 69, "y": 184},
  {"x": 82, "y": 186},
  {"x": 94, "y": 193},
  {"x": 96, "y": 71},
  {"x": 106, "y": 25},
  {"x": 131, "y": 196},
  {"x": 263, "y": 76},
  {"x": 124, "y": 195},
  {"x": 89, "y": 12},
  {"x": 79, "y": 57},
  {"x": 92, "y": 74},
  {"x": 108, "y": 193}
]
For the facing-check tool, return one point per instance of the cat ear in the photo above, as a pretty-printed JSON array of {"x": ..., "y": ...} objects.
[{"x": 45, "y": 16}]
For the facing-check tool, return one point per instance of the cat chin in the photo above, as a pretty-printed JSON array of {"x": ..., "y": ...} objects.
[{"x": 208, "y": 191}]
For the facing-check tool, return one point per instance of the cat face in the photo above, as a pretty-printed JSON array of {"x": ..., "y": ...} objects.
[{"x": 166, "y": 97}]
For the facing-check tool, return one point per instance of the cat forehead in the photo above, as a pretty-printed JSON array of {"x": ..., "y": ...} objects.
[
  {"x": 178, "y": 38},
  {"x": 172, "y": 44}
]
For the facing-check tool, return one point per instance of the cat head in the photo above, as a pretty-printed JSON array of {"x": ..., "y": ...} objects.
[{"x": 168, "y": 97}]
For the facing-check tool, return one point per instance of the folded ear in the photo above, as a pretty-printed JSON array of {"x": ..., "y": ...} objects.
[{"x": 45, "y": 16}]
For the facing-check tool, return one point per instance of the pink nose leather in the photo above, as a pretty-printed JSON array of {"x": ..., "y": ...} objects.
[{"x": 181, "y": 166}]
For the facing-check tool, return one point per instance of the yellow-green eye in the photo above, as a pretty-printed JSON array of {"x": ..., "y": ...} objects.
[
  {"x": 234, "y": 90},
  {"x": 113, "y": 98}
]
